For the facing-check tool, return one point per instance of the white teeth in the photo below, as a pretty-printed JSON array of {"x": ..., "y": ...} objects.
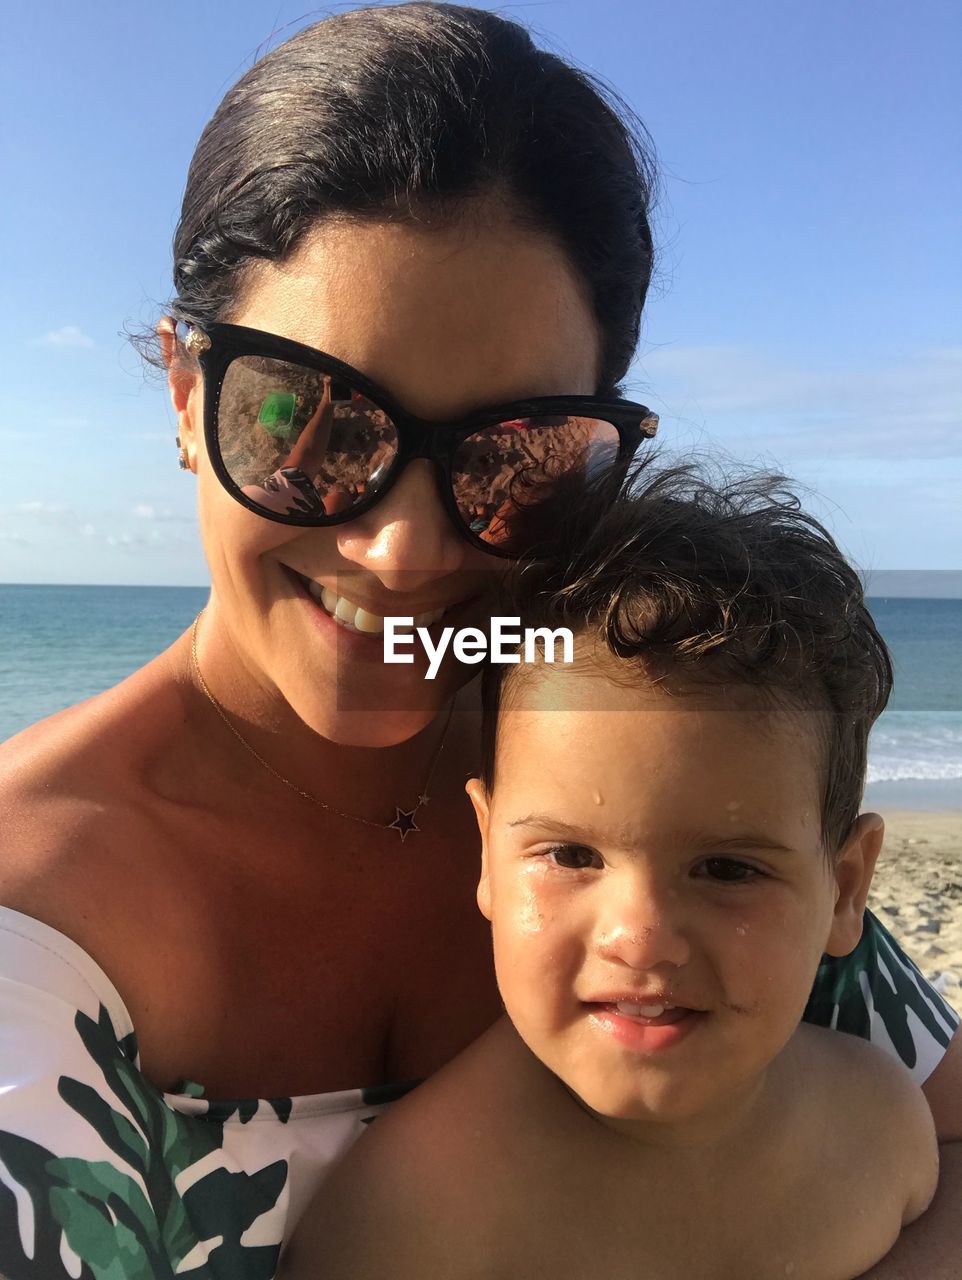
[
  {"x": 372, "y": 623},
  {"x": 352, "y": 615},
  {"x": 427, "y": 619},
  {"x": 345, "y": 611},
  {"x": 642, "y": 1010}
]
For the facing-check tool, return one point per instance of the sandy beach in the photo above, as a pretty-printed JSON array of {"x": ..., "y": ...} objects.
[{"x": 917, "y": 893}]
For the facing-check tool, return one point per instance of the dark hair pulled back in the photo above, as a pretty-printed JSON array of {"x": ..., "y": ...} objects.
[{"x": 408, "y": 112}]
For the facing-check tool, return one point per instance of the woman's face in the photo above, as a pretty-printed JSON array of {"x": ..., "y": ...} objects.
[{"x": 447, "y": 320}]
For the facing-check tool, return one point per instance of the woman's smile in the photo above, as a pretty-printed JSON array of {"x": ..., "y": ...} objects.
[{"x": 368, "y": 619}]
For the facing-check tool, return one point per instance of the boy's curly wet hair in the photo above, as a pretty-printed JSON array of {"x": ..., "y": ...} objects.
[{"x": 697, "y": 582}]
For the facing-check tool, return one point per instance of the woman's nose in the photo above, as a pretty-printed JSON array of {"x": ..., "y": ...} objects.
[
  {"x": 407, "y": 540},
  {"x": 643, "y": 927}
]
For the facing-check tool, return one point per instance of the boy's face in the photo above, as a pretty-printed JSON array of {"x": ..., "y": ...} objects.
[{"x": 658, "y": 893}]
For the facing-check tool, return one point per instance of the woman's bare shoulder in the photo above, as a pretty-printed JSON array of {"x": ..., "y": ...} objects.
[{"x": 72, "y": 791}]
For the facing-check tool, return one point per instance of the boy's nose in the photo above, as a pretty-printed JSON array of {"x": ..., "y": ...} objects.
[{"x": 641, "y": 930}]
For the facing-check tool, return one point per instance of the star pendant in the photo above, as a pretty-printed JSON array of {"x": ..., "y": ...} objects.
[{"x": 404, "y": 822}]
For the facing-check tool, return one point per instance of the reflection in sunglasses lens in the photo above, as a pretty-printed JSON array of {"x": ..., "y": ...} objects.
[
  {"x": 297, "y": 442},
  {"x": 515, "y": 480}
]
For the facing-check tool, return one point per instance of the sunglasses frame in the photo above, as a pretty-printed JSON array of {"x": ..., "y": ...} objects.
[{"x": 216, "y": 345}]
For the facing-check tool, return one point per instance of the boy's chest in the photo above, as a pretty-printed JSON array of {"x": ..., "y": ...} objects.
[{"x": 764, "y": 1224}]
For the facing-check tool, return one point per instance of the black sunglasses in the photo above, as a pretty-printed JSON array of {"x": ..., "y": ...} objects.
[{"x": 302, "y": 438}]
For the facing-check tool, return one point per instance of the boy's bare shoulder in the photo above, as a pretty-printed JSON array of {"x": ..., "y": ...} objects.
[
  {"x": 857, "y": 1073},
  {"x": 865, "y": 1102},
  {"x": 428, "y": 1189}
]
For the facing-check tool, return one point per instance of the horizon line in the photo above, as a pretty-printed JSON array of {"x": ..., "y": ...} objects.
[{"x": 954, "y": 594}]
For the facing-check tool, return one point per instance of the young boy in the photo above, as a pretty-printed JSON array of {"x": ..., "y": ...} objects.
[{"x": 671, "y": 840}]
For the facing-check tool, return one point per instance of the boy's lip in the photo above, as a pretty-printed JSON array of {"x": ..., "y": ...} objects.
[
  {"x": 665, "y": 996},
  {"x": 646, "y": 1035},
  {"x": 649, "y": 1013}
]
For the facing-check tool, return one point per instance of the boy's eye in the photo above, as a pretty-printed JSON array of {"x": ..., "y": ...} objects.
[
  {"x": 573, "y": 857},
  {"x": 730, "y": 870}
]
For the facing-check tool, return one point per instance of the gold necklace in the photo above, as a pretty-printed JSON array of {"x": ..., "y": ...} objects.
[{"x": 404, "y": 819}]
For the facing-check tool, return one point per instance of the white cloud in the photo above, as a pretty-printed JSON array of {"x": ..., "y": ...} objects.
[
  {"x": 160, "y": 515},
  {"x": 37, "y": 508},
  {"x": 70, "y": 335},
  {"x": 141, "y": 527},
  {"x": 153, "y": 539},
  {"x": 752, "y": 402}
]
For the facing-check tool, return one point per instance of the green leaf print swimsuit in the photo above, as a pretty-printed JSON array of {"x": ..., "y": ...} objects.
[{"x": 103, "y": 1177}]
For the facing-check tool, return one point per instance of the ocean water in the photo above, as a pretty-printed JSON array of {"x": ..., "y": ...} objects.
[
  {"x": 59, "y": 645},
  {"x": 915, "y": 751},
  {"x": 919, "y": 735}
]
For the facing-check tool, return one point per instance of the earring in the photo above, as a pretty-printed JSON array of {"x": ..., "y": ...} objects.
[{"x": 184, "y": 459}]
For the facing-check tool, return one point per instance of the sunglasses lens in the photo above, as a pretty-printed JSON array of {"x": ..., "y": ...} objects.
[
  {"x": 514, "y": 481},
  {"x": 300, "y": 442}
]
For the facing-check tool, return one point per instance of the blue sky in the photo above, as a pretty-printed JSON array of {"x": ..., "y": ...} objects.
[{"x": 806, "y": 312}]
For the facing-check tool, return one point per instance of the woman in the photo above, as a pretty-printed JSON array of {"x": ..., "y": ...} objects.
[{"x": 247, "y": 873}]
